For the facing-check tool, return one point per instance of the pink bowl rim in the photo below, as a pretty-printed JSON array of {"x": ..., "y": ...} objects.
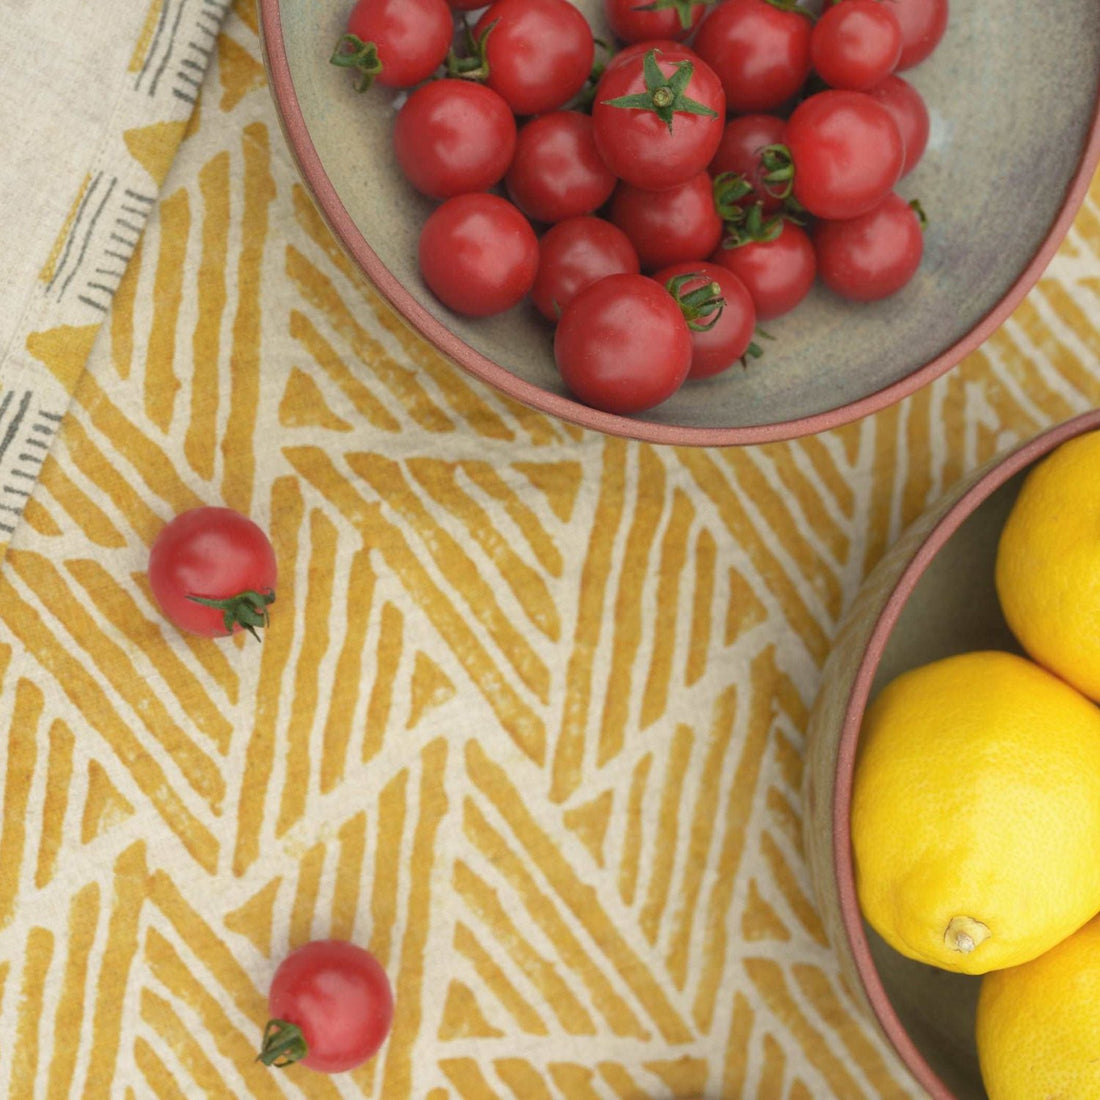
[
  {"x": 456, "y": 349},
  {"x": 948, "y": 524}
]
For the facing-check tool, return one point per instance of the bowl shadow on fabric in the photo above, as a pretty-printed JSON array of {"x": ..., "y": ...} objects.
[{"x": 1013, "y": 133}]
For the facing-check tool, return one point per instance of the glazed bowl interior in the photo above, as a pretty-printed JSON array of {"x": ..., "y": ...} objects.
[
  {"x": 952, "y": 609},
  {"x": 1012, "y": 93}
]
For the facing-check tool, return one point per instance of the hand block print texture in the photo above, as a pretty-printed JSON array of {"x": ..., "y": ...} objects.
[
  {"x": 108, "y": 92},
  {"x": 528, "y": 718}
]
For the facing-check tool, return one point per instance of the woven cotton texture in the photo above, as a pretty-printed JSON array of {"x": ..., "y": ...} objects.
[
  {"x": 94, "y": 98},
  {"x": 528, "y": 718}
]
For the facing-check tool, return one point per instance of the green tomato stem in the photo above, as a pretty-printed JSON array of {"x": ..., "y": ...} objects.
[
  {"x": 683, "y": 9},
  {"x": 475, "y": 66},
  {"x": 779, "y": 171},
  {"x": 283, "y": 1044},
  {"x": 247, "y": 609},
  {"x": 353, "y": 53},
  {"x": 702, "y": 306},
  {"x": 665, "y": 97},
  {"x": 793, "y": 5}
]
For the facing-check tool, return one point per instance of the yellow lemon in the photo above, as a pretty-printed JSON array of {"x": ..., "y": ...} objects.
[
  {"x": 976, "y": 812},
  {"x": 1038, "y": 1025},
  {"x": 1048, "y": 564}
]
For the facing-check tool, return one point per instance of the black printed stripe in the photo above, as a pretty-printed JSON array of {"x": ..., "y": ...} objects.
[
  {"x": 88, "y": 234},
  {"x": 167, "y": 53},
  {"x": 72, "y": 231},
  {"x": 17, "y": 419},
  {"x": 161, "y": 19}
]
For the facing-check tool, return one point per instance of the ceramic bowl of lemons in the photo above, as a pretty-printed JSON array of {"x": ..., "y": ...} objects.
[
  {"x": 1012, "y": 94},
  {"x": 932, "y": 597}
]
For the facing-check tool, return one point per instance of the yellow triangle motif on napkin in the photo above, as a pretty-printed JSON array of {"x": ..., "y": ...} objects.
[
  {"x": 64, "y": 350},
  {"x": 154, "y": 147},
  {"x": 462, "y": 1016},
  {"x": 303, "y": 405},
  {"x": 589, "y": 821},
  {"x": 431, "y": 687},
  {"x": 104, "y": 806},
  {"x": 254, "y": 918},
  {"x": 240, "y": 72}
]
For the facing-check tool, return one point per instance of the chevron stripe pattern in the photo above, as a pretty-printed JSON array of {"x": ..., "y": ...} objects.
[{"x": 528, "y": 719}]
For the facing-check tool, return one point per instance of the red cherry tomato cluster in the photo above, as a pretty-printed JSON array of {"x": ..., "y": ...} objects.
[{"x": 656, "y": 203}]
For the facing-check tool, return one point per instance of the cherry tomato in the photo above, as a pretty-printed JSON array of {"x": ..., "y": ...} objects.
[
  {"x": 397, "y": 43},
  {"x": 760, "y": 51},
  {"x": 538, "y": 53},
  {"x": 556, "y": 172},
  {"x": 213, "y": 572},
  {"x": 718, "y": 346},
  {"x": 855, "y": 44},
  {"x": 466, "y": 5},
  {"x": 478, "y": 254},
  {"x": 872, "y": 256},
  {"x": 640, "y": 49},
  {"x": 331, "y": 1008},
  {"x": 906, "y": 107},
  {"x": 847, "y": 153},
  {"x": 454, "y": 136},
  {"x": 739, "y": 151},
  {"x": 630, "y": 21},
  {"x": 777, "y": 273},
  {"x": 923, "y": 23},
  {"x": 653, "y": 127},
  {"x": 575, "y": 253},
  {"x": 622, "y": 344},
  {"x": 665, "y": 227}
]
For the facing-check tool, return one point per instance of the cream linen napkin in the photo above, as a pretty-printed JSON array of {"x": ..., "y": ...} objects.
[{"x": 94, "y": 98}]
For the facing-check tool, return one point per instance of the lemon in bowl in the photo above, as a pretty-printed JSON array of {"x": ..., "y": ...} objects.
[
  {"x": 932, "y": 597},
  {"x": 976, "y": 812}
]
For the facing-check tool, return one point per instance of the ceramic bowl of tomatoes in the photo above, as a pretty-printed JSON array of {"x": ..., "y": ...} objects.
[{"x": 1012, "y": 109}]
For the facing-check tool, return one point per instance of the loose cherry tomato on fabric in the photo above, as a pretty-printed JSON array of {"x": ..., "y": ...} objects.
[
  {"x": 846, "y": 151},
  {"x": 645, "y": 20},
  {"x": 922, "y": 23},
  {"x": 855, "y": 44},
  {"x": 743, "y": 140},
  {"x": 906, "y": 107},
  {"x": 778, "y": 273},
  {"x": 478, "y": 254},
  {"x": 213, "y": 572},
  {"x": 658, "y": 117},
  {"x": 454, "y": 136},
  {"x": 622, "y": 344},
  {"x": 715, "y": 346},
  {"x": 574, "y": 254},
  {"x": 537, "y": 53},
  {"x": 665, "y": 227},
  {"x": 556, "y": 172},
  {"x": 872, "y": 256},
  {"x": 397, "y": 43},
  {"x": 331, "y": 1008},
  {"x": 760, "y": 50}
]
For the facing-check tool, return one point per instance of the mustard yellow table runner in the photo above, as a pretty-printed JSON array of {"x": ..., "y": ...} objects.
[{"x": 528, "y": 719}]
